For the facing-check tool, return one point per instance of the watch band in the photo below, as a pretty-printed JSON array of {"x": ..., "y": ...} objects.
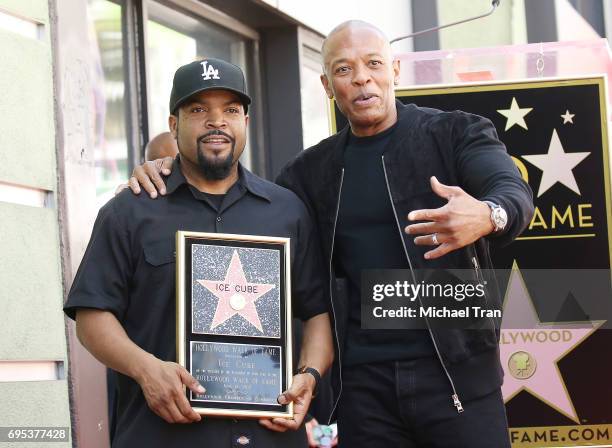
[{"x": 315, "y": 373}]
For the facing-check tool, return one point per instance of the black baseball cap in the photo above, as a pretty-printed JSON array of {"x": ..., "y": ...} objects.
[{"x": 207, "y": 74}]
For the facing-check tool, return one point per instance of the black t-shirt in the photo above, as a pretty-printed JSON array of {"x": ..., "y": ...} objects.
[
  {"x": 367, "y": 237},
  {"x": 215, "y": 200},
  {"x": 129, "y": 270}
]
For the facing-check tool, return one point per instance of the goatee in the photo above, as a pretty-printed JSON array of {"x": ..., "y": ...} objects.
[{"x": 215, "y": 169}]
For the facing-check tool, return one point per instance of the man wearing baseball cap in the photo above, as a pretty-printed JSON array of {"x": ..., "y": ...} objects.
[{"x": 123, "y": 294}]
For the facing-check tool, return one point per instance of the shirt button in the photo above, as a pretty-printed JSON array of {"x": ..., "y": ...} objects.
[{"x": 219, "y": 219}]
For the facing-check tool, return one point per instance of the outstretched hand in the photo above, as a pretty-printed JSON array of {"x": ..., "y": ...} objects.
[
  {"x": 148, "y": 176},
  {"x": 300, "y": 393},
  {"x": 461, "y": 221}
]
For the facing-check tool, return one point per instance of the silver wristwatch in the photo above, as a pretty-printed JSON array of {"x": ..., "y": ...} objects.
[{"x": 499, "y": 217}]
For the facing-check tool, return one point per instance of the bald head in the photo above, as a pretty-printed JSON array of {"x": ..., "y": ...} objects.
[
  {"x": 344, "y": 33},
  {"x": 160, "y": 146},
  {"x": 359, "y": 72}
]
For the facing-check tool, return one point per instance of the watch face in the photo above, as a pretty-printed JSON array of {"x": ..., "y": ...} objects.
[{"x": 500, "y": 218}]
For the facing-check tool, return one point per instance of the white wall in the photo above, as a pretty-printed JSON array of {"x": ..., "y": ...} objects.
[
  {"x": 571, "y": 25},
  {"x": 394, "y": 17},
  {"x": 33, "y": 354}
]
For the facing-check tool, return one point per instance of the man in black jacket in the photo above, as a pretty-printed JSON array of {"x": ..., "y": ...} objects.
[{"x": 405, "y": 187}]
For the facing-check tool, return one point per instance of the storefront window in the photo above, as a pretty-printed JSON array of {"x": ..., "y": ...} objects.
[
  {"x": 107, "y": 75},
  {"x": 315, "y": 105}
]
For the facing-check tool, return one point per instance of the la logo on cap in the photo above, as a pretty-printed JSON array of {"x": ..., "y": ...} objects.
[{"x": 209, "y": 72}]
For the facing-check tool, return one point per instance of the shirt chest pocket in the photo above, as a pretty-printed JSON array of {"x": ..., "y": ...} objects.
[
  {"x": 156, "y": 280},
  {"x": 159, "y": 253}
]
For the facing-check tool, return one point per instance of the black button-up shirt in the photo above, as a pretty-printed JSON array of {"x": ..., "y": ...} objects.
[{"x": 129, "y": 270}]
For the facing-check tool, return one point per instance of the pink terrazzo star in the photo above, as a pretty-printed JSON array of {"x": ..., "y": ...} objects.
[
  {"x": 236, "y": 295},
  {"x": 540, "y": 346}
]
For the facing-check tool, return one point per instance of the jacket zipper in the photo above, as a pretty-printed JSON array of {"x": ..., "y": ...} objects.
[
  {"x": 480, "y": 278},
  {"x": 331, "y": 257},
  {"x": 454, "y": 396}
]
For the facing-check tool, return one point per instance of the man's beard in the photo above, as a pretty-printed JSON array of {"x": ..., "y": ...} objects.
[{"x": 215, "y": 169}]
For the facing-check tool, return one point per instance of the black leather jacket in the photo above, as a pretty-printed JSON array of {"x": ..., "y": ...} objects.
[{"x": 459, "y": 149}]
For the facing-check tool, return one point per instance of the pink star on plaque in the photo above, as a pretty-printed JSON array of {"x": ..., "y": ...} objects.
[
  {"x": 530, "y": 355},
  {"x": 236, "y": 295}
]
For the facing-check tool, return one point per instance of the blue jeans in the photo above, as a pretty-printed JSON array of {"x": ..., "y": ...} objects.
[{"x": 408, "y": 404}]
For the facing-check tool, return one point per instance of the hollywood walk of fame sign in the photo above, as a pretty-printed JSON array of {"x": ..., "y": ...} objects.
[
  {"x": 233, "y": 322},
  {"x": 558, "y": 371}
]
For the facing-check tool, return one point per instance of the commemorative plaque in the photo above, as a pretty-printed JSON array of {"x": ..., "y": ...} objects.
[{"x": 233, "y": 322}]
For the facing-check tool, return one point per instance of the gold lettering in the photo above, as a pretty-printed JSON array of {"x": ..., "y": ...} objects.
[
  {"x": 537, "y": 220},
  {"x": 541, "y": 336},
  {"x": 584, "y": 220},
  {"x": 522, "y": 168},
  {"x": 567, "y": 215},
  {"x": 508, "y": 337},
  {"x": 555, "y": 336}
]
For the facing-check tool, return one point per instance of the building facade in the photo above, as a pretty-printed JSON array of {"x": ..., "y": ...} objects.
[{"x": 86, "y": 84}]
